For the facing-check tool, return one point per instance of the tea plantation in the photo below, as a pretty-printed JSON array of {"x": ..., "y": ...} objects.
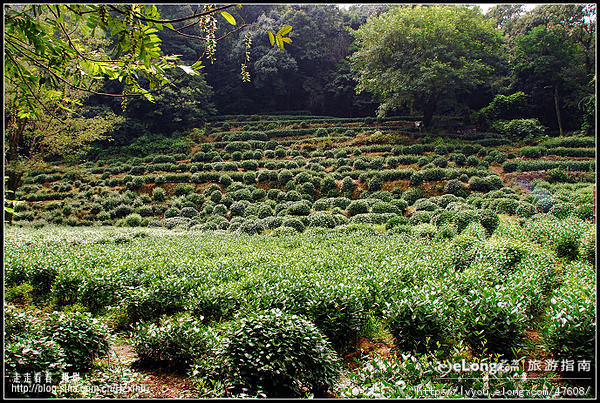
[{"x": 254, "y": 256}]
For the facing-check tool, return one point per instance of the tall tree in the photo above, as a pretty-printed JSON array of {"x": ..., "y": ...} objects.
[
  {"x": 543, "y": 64},
  {"x": 417, "y": 55}
]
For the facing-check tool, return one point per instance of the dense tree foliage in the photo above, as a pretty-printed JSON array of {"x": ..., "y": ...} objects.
[{"x": 415, "y": 56}]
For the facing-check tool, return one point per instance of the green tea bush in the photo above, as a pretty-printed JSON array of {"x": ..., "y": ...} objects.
[
  {"x": 321, "y": 219},
  {"x": 571, "y": 325},
  {"x": 506, "y": 206},
  {"x": 176, "y": 340},
  {"x": 489, "y": 183},
  {"x": 385, "y": 207},
  {"x": 562, "y": 210},
  {"x": 413, "y": 194},
  {"x": 81, "y": 337},
  {"x": 455, "y": 187},
  {"x": 425, "y": 205},
  {"x": 132, "y": 220},
  {"x": 557, "y": 175},
  {"x": 417, "y": 321},
  {"x": 183, "y": 189},
  {"x": 29, "y": 355},
  {"x": 279, "y": 355},
  {"x": 525, "y": 210},
  {"x": 493, "y": 320},
  {"x": 395, "y": 221},
  {"x": 357, "y": 207},
  {"x": 293, "y": 223},
  {"x": 425, "y": 230},
  {"x": 301, "y": 208},
  {"x": 531, "y": 152},
  {"x": 584, "y": 212},
  {"x": 420, "y": 217}
]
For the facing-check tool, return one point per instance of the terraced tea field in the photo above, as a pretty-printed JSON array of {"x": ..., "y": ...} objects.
[{"x": 257, "y": 256}]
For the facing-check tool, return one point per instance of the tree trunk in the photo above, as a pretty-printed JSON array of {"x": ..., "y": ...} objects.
[
  {"x": 13, "y": 139},
  {"x": 14, "y": 178},
  {"x": 557, "y": 108},
  {"x": 428, "y": 110}
]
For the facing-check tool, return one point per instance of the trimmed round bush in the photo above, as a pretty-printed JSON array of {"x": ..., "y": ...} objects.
[
  {"x": 81, "y": 337},
  {"x": 416, "y": 321},
  {"x": 133, "y": 220},
  {"x": 420, "y": 217},
  {"x": 425, "y": 205},
  {"x": 189, "y": 212},
  {"x": 280, "y": 355},
  {"x": 177, "y": 341},
  {"x": 322, "y": 219},
  {"x": 299, "y": 208},
  {"x": 183, "y": 189},
  {"x": 562, "y": 210},
  {"x": 357, "y": 207},
  {"x": 488, "y": 220},
  {"x": 395, "y": 221},
  {"x": 411, "y": 195},
  {"x": 293, "y": 223},
  {"x": 525, "y": 210},
  {"x": 455, "y": 187},
  {"x": 384, "y": 207}
]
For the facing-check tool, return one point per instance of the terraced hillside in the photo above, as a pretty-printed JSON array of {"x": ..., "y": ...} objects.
[
  {"x": 258, "y": 173},
  {"x": 302, "y": 256}
]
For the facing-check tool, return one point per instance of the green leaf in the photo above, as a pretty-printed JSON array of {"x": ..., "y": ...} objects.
[
  {"x": 187, "y": 69},
  {"x": 271, "y": 38},
  {"x": 284, "y": 30},
  {"x": 228, "y": 17}
]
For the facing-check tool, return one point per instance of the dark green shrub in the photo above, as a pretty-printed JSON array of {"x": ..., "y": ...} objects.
[
  {"x": 328, "y": 186},
  {"x": 189, "y": 212},
  {"x": 321, "y": 219},
  {"x": 425, "y": 205},
  {"x": 557, "y": 175},
  {"x": 81, "y": 337},
  {"x": 416, "y": 320},
  {"x": 357, "y": 207},
  {"x": 177, "y": 341},
  {"x": 374, "y": 182},
  {"x": 562, "y": 210},
  {"x": 455, "y": 187},
  {"x": 441, "y": 162},
  {"x": 459, "y": 158},
  {"x": 299, "y": 208},
  {"x": 293, "y": 223},
  {"x": 506, "y": 206},
  {"x": 584, "y": 212},
  {"x": 395, "y": 221},
  {"x": 420, "y": 217},
  {"x": 488, "y": 219},
  {"x": 385, "y": 207},
  {"x": 492, "y": 321},
  {"x": 525, "y": 210},
  {"x": 183, "y": 189},
  {"x": 531, "y": 152},
  {"x": 132, "y": 220},
  {"x": 472, "y": 161},
  {"x": 280, "y": 355},
  {"x": 413, "y": 194}
]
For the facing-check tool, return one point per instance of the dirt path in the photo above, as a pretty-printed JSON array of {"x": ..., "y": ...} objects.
[{"x": 155, "y": 383}]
